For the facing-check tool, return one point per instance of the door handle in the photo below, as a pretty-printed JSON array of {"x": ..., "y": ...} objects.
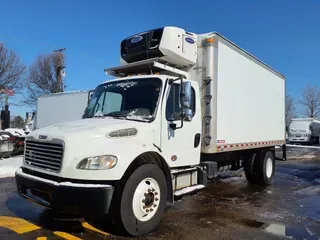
[{"x": 197, "y": 140}]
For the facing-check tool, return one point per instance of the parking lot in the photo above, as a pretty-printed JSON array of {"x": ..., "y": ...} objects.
[{"x": 229, "y": 208}]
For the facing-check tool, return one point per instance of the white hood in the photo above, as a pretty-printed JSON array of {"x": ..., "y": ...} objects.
[
  {"x": 89, "y": 137},
  {"x": 92, "y": 127}
]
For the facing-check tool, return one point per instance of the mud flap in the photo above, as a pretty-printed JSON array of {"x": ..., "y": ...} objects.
[
  {"x": 284, "y": 152},
  {"x": 249, "y": 163}
]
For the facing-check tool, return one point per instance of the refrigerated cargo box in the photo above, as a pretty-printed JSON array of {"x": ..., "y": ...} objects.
[{"x": 243, "y": 105}]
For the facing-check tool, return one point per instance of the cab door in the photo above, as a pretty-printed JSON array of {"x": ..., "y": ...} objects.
[{"x": 181, "y": 146}]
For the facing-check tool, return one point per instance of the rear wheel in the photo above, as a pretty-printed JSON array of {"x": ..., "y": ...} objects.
[
  {"x": 138, "y": 210},
  {"x": 263, "y": 168}
]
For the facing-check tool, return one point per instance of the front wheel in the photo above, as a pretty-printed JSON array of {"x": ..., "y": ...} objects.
[{"x": 143, "y": 200}]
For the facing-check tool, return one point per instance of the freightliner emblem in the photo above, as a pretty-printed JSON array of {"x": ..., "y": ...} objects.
[{"x": 42, "y": 137}]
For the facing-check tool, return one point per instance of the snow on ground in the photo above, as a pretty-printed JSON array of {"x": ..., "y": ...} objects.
[
  {"x": 303, "y": 146},
  {"x": 312, "y": 190},
  {"x": 8, "y": 166},
  {"x": 236, "y": 179},
  {"x": 303, "y": 157}
]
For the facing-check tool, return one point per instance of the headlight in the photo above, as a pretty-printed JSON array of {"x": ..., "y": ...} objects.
[{"x": 98, "y": 163}]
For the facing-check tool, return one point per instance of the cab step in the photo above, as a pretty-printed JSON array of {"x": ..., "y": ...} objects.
[{"x": 188, "y": 190}]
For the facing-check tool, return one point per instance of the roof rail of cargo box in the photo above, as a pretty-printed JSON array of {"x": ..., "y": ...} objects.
[
  {"x": 148, "y": 66},
  {"x": 242, "y": 51}
]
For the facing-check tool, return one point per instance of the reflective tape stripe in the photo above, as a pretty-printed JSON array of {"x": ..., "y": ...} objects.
[{"x": 244, "y": 145}]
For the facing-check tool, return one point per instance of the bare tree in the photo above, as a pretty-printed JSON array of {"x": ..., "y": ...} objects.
[
  {"x": 310, "y": 101},
  {"x": 290, "y": 109},
  {"x": 11, "y": 70},
  {"x": 17, "y": 122},
  {"x": 44, "y": 78}
]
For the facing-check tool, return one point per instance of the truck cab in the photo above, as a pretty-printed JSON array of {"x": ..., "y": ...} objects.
[{"x": 150, "y": 107}]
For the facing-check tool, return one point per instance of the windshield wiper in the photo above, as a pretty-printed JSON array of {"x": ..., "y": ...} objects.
[{"x": 115, "y": 115}]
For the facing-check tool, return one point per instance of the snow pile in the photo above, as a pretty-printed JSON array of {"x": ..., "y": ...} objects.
[
  {"x": 126, "y": 85},
  {"x": 7, "y": 171},
  {"x": 15, "y": 131},
  {"x": 139, "y": 114},
  {"x": 140, "y": 118},
  {"x": 312, "y": 190},
  {"x": 306, "y": 157},
  {"x": 98, "y": 114},
  {"x": 316, "y": 181},
  {"x": 9, "y": 166},
  {"x": 303, "y": 146}
]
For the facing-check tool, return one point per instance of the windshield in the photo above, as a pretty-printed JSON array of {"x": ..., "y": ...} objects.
[
  {"x": 300, "y": 126},
  {"x": 134, "y": 99}
]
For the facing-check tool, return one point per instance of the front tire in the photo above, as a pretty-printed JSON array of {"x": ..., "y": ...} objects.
[{"x": 143, "y": 200}]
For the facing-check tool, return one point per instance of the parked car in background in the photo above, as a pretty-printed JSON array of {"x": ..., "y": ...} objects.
[{"x": 14, "y": 137}]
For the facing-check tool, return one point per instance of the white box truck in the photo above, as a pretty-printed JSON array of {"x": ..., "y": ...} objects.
[
  {"x": 58, "y": 107},
  {"x": 183, "y": 107},
  {"x": 304, "y": 131}
]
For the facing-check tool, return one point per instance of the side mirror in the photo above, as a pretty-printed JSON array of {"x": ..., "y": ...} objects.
[
  {"x": 90, "y": 95},
  {"x": 186, "y": 97},
  {"x": 186, "y": 113}
]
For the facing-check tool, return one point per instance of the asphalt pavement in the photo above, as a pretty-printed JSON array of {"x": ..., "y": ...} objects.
[{"x": 229, "y": 208}]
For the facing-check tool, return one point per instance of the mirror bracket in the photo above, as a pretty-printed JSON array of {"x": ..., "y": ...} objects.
[
  {"x": 172, "y": 80},
  {"x": 173, "y": 126}
]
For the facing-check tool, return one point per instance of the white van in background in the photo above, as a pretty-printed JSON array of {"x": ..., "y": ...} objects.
[{"x": 304, "y": 131}]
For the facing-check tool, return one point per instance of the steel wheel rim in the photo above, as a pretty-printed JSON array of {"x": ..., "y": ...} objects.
[
  {"x": 146, "y": 199},
  {"x": 269, "y": 167}
]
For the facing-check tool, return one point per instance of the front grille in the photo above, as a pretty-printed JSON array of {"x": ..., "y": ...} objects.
[{"x": 44, "y": 154}]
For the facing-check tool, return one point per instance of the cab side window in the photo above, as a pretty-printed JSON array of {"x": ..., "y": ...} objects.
[{"x": 173, "y": 103}]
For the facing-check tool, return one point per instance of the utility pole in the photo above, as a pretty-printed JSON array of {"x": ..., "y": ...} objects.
[
  {"x": 5, "y": 113},
  {"x": 60, "y": 69}
]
